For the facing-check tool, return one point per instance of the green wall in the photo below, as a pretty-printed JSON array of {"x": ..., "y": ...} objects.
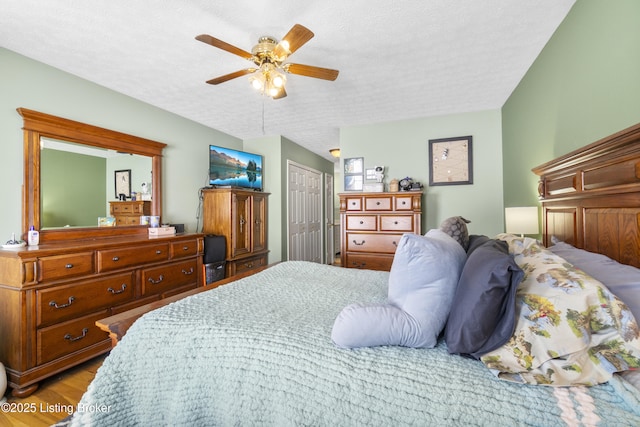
[
  {"x": 584, "y": 85},
  {"x": 31, "y": 84},
  {"x": 72, "y": 198},
  {"x": 403, "y": 147}
]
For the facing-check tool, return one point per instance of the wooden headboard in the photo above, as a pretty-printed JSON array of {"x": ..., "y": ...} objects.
[{"x": 591, "y": 197}]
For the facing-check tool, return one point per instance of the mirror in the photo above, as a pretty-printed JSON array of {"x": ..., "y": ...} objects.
[
  {"x": 39, "y": 129},
  {"x": 77, "y": 182}
]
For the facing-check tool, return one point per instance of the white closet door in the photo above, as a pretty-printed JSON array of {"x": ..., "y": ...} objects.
[{"x": 304, "y": 207}]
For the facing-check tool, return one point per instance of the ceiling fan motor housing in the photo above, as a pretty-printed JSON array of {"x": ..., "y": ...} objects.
[{"x": 264, "y": 49}]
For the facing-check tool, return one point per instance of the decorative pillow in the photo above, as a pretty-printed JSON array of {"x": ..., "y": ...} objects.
[
  {"x": 482, "y": 316},
  {"x": 456, "y": 227},
  {"x": 422, "y": 282},
  {"x": 623, "y": 280},
  {"x": 570, "y": 328},
  {"x": 475, "y": 241}
]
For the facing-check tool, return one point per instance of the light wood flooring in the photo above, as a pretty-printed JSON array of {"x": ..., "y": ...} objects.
[{"x": 63, "y": 390}]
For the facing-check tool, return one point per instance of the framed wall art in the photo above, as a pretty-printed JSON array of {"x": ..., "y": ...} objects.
[
  {"x": 123, "y": 183},
  {"x": 353, "y": 174},
  {"x": 451, "y": 161}
]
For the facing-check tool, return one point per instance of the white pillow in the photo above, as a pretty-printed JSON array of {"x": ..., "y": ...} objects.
[{"x": 422, "y": 283}]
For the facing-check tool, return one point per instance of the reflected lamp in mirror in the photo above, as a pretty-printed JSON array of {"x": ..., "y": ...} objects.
[{"x": 521, "y": 220}]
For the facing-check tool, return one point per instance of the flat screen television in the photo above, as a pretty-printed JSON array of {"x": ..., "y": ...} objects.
[{"x": 234, "y": 168}]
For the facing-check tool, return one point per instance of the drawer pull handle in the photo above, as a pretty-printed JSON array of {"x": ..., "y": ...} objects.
[
  {"x": 155, "y": 282},
  {"x": 186, "y": 273},
  {"x": 115, "y": 259},
  {"x": 353, "y": 203},
  {"x": 361, "y": 222},
  {"x": 55, "y": 305},
  {"x": 395, "y": 222},
  {"x": 158, "y": 251},
  {"x": 395, "y": 244},
  {"x": 185, "y": 248},
  {"x": 378, "y": 203},
  {"x": 358, "y": 244},
  {"x": 68, "y": 266},
  {"x": 359, "y": 264},
  {"x": 114, "y": 292},
  {"x": 79, "y": 337},
  {"x": 248, "y": 264},
  {"x": 404, "y": 202}
]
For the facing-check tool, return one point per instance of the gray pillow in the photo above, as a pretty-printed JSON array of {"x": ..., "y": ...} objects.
[
  {"x": 456, "y": 227},
  {"x": 482, "y": 317}
]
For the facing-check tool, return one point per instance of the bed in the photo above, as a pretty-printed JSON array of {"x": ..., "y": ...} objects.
[{"x": 259, "y": 350}]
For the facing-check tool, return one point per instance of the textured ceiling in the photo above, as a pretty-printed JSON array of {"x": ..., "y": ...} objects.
[{"x": 397, "y": 59}]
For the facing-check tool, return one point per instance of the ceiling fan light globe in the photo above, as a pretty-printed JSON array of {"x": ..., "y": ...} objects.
[
  {"x": 278, "y": 80},
  {"x": 273, "y": 91},
  {"x": 257, "y": 84}
]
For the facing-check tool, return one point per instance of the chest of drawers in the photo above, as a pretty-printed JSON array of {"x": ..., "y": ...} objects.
[
  {"x": 52, "y": 295},
  {"x": 129, "y": 212},
  {"x": 371, "y": 225}
]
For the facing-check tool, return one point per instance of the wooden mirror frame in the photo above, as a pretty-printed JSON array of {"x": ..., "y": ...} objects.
[{"x": 37, "y": 125}]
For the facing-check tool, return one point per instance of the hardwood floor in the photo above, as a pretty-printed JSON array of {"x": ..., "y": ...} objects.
[{"x": 53, "y": 399}]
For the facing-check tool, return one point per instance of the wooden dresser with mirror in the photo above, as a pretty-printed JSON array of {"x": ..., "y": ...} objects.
[{"x": 52, "y": 294}]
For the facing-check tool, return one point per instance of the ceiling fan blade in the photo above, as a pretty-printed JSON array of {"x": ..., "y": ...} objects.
[
  {"x": 205, "y": 38},
  {"x": 297, "y": 36},
  {"x": 281, "y": 93},
  {"x": 311, "y": 71},
  {"x": 231, "y": 76}
]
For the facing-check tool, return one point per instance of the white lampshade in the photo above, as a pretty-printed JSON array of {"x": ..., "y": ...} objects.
[{"x": 522, "y": 220}]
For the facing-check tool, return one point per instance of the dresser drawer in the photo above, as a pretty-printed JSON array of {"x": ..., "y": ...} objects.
[
  {"x": 246, "y": 264},
  {"x": 127, "y": 220},
  {"x": 403, "y": 203},
  {"x": 378, "y": 203},
  {"x": 369, "y": 242},
  {"x": 65, "y": 338},
  {"x": 163, "y": 278},
  {"x": 122, "y": 208},
  {"x": 114, "y": 259},
  {"x": 396, "y": 223},
  {"x": 184, "y": 249},
  {"x": 369, "y": 262},
  {"x": 362, "y": 222},
  {"x": 63, "y": 266},
  {"x": 64, "y": 302},
  {"x": 354, "y": 203}
]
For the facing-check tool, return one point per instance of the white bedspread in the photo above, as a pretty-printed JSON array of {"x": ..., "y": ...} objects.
[{"x": 258, "y": 352}]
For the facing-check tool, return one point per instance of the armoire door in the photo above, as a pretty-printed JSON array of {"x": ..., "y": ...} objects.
[
  {"x": 241, "y": 232},
  {"x": 259, "y": 221}
]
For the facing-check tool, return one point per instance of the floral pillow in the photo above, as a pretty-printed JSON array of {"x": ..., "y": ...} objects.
[{"x": 570, "y": 329}]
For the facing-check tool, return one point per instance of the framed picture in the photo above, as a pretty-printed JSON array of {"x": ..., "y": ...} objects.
[
  {"x": 353, "y": 174},
  {"x": 451, "y": 161},
  {"x": 354, "y": 165},
  {"x": 123, "y": 183},
  {"x": 370, "y": 174},
  {"x": 353, "y": 183}
]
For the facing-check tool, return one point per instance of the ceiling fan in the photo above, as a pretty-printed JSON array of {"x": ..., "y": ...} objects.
[{"x": 269, "y": 56}]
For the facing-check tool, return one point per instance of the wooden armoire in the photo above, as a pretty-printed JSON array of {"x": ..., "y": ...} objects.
[{"x": 240, "y": 215}]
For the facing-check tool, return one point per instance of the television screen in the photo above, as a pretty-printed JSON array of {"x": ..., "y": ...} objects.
[{"x": 228, "y": 167}]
